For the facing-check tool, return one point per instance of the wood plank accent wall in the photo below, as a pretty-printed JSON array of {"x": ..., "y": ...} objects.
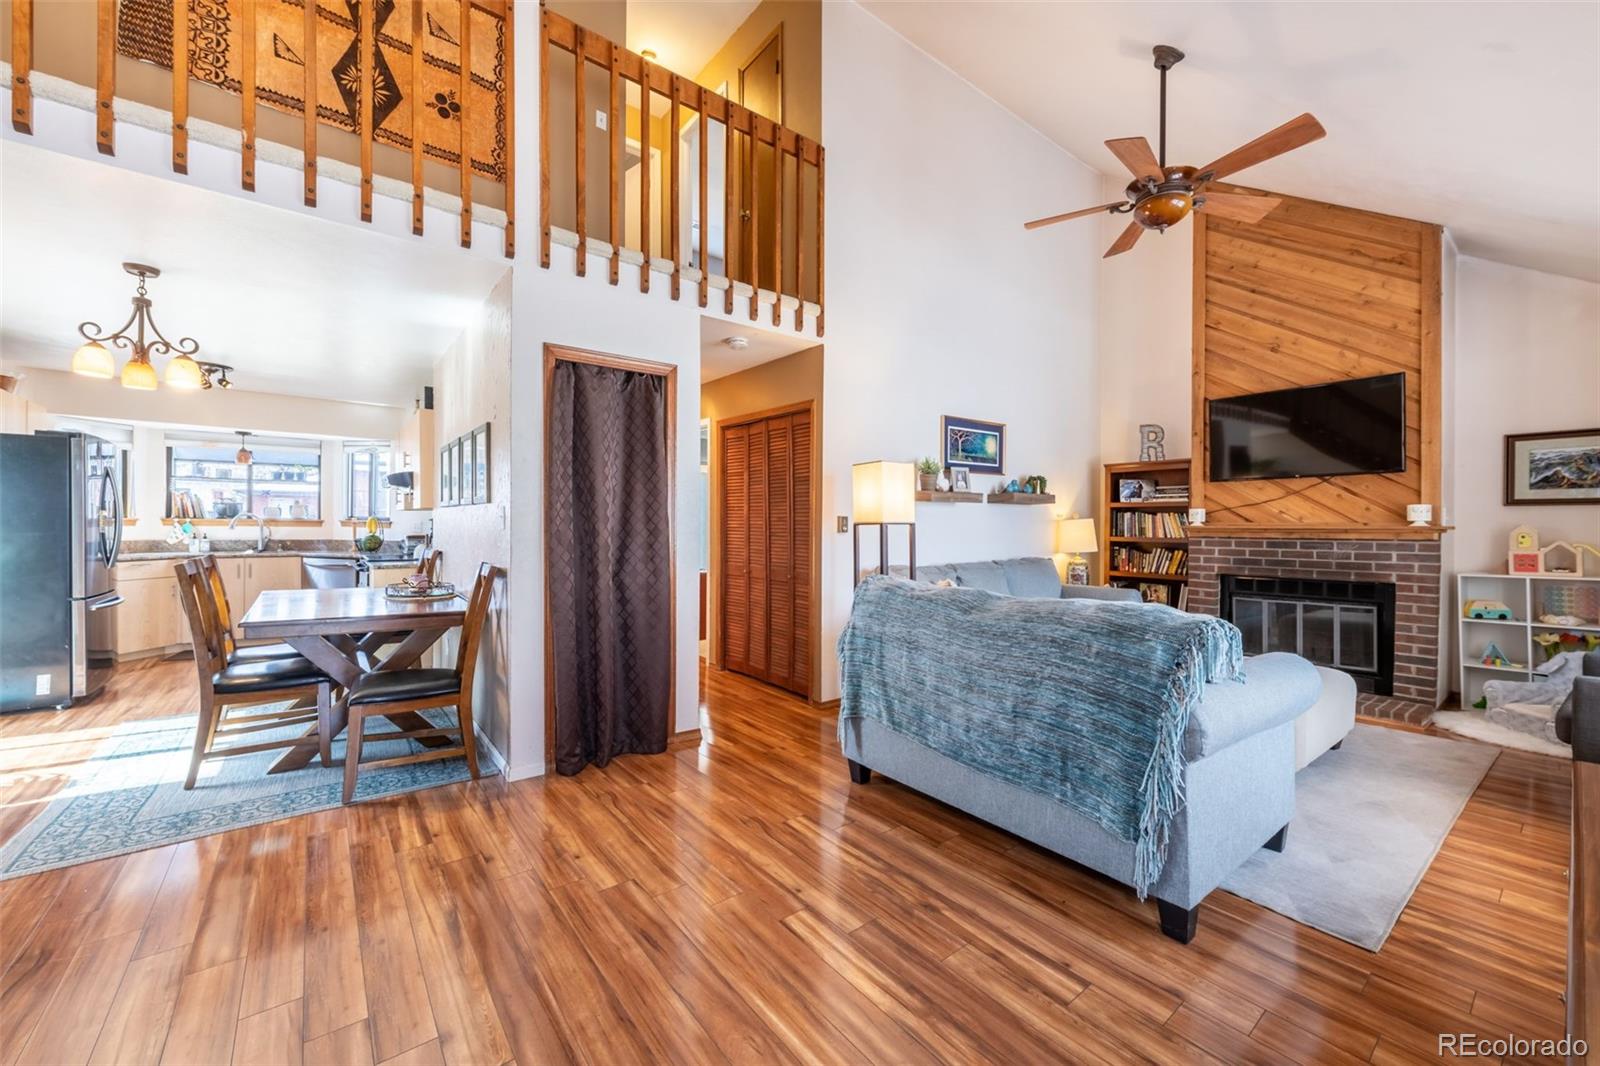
[{"x": 1317, "y": 293}]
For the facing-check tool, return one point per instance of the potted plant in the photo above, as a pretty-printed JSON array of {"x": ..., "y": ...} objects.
[{"x": 927, "y": 475}]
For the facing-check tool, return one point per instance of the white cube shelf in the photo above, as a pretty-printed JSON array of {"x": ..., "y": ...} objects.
[{"x": 1528, "y": 596}]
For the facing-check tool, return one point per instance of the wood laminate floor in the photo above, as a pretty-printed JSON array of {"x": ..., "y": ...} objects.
[{"x": 736, "y": 902}]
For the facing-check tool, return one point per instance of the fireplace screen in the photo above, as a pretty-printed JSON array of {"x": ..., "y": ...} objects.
[
  {"x": 1347, "y": 625},
  {"x": 1330, "y": 634}
]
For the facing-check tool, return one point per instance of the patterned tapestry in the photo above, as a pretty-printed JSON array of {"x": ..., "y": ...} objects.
[{"x": 144, "y": 32}]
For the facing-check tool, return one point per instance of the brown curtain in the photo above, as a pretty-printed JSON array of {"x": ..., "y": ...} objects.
[{"x": 609, "y": 563}]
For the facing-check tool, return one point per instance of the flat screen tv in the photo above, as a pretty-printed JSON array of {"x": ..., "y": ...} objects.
[{"x": 1343, "y": 427}]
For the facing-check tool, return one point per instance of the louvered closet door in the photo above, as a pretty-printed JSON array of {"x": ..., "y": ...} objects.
[{"x": 766, "y": 549}]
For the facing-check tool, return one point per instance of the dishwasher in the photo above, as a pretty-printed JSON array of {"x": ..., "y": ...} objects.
[{"x": 333, "y": 572}]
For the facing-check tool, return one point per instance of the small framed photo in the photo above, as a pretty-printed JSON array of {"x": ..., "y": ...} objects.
[
  {"x": 480, "y": 464},
  {"x": 978, "y": 446},
  {"x": 1134, "y": 489},
  {"x": 960, "y": 479},
  {"x": 1553, "y": 467}
]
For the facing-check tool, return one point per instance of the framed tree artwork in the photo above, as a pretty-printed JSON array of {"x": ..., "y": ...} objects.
[
  {"x": 1561, "y": 467},
  {"x": 979, "y": 446}
]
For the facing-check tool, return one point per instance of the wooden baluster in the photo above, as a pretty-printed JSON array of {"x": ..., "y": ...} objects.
[
  {"x": 180, "y": 86},
  {"x": 676, "y": 133},
  {"x": 22, "y": 65},
  {"x": 753, "y": 208},
  {"x": 510, "y": 133},
  {"x": 644, "y": 173},
  {"x": 727, "y": 206},
  {"x": 544, "y": 137},
  {"x": 247, "y": 94},
  {"x": 777, "y": 226},
  {"x": 105, "y": 80},
  {"x": 799, "y": 232},
  {"x": 418, "y": 56},
  {"x": 581, "y": 156},
  {"x": 308, "y": 52},
  {"x": 364, "y": 48},
  {"x": 822, "y": 162},
  {"x": 465, "y": 147},
  {"x": 613, "y": 149},
  {"x": 705, "y": 208}
]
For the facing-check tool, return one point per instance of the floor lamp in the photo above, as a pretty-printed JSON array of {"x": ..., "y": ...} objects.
[{"x": 883, "y": 494}]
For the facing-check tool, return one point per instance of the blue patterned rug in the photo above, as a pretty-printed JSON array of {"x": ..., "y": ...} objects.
[{"x": 130, "y": 795}]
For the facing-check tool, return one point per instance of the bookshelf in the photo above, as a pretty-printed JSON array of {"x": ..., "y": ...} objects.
[{"x": 1144, "y": 542}]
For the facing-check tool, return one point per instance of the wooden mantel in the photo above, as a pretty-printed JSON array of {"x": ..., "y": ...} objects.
[
  {"x": 1312, "y": 294},
  {"x": 1260, "y": 531}
]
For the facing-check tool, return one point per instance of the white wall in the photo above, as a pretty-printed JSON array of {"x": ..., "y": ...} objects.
[
  {"x": 940, "y": 303},
  {"x": 1145, "y": 336},
  {"x": 1527, "y": 361}
]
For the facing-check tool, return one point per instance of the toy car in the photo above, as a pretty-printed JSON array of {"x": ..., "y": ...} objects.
[{"x": 1488, "y": 609}]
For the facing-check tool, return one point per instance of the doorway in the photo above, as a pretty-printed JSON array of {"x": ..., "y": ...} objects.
[
  {"x": 610, "y": 582},
  {"x": 761, "y": 90},
  {"x": 765, "y": 559}
]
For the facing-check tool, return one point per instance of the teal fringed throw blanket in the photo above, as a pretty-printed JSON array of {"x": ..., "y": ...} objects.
[{"x": 1083, "y": 701}]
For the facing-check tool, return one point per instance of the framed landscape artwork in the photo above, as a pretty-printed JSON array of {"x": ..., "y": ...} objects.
[
  {"x": 480, "y": 464},
  {"x": 978, "y": 446},
  {"x": 1553, "y": 467}
]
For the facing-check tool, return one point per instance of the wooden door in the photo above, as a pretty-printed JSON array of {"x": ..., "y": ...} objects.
[
  {"x": 761, "y": 90},
  {"x": 765, "y": 495}
]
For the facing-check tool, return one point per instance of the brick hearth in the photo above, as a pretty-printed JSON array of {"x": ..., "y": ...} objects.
[{"x": 1412, "y": 565}]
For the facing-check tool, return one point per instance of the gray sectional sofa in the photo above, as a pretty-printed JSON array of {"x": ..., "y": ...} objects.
[{"x": 1239, "y": 785}]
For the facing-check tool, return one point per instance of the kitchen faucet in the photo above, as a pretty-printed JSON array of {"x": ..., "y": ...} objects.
[{"x": 263, "y": 534}]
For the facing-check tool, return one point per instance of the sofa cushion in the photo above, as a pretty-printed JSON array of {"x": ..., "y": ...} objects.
[
  {"x": 1099, "y": 592},
  {"x": 1032, "y": 578},
  {"x": 1278, "y": 688},
  {"x": 986, "y": 576}
]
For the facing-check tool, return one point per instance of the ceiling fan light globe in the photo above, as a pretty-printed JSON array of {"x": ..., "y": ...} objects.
[
  {"x": 92, "y": 360},
  {"x": 139, "y": 374},
  {"x": 1162, "y": 210},
  {"x": 184, "y": 373}
]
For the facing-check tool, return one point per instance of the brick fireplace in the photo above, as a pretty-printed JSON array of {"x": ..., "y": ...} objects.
[{"x": 1321, "y": 567}]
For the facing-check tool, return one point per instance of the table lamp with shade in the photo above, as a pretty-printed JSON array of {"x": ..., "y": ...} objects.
[
  {"x": 1075, "y": 536},
  {"x": 883, "y": 494}
]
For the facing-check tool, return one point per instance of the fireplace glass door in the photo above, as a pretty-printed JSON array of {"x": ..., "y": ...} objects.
[{"x": 1340, "y": 635}]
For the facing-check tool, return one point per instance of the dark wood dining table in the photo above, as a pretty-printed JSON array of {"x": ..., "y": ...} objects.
[{"x": 348, "y": 632}]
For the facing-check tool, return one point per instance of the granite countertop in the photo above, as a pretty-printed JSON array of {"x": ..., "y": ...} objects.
[
  {"x": 135, "y": 551},
  {"x": 235, "y": 553}
]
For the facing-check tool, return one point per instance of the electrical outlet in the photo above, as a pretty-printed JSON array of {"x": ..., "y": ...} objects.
[
  {"x": 601, "y": 119},
  {"x": 844, "y": 524}
]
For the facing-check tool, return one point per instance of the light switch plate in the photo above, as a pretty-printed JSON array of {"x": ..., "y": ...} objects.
[
  {"x": 601, "y": 119},
  {"x": 844, "y": 524}
]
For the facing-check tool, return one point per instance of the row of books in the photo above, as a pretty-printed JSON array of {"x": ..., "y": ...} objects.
[
  {"x": 1156, "y": 592},
  {"x": 1170, "y": 494},
  {"x": 1170, "y": 524},
  {"x": 185, "y": 504},
  {"x": 1156, "y": 561}
]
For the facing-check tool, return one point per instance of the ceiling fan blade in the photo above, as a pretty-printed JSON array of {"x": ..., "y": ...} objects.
[
  {"x": 1293, "y": 134},
  {"x": 1053, "y": 219},
  {"x": 1129, "y": 237},
  {"x": 1135, "y": 154},
  {"x": 1238, "y": 208}
]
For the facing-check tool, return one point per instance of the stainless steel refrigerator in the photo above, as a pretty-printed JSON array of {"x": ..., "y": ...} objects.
[{"x": 60, "y": 529}]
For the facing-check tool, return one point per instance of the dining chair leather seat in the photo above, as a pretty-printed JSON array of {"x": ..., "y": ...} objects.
[
  {"x": 263, "y": 676},
  {"x": 394, "y": 686},
  {"x": 255, "y": 653}
]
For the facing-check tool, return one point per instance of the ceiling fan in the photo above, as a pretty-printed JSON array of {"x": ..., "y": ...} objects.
[{"x": 1160, "y": 196}]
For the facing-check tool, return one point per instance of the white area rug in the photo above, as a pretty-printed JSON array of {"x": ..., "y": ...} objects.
[
  {"x": 1473, "y": 724},
  {"x": 1368, "y": 820}
]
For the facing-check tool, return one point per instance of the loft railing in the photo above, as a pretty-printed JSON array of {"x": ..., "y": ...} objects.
[
  {"x": 333, "y": 69},
  {"x": 762, "y": 159}
]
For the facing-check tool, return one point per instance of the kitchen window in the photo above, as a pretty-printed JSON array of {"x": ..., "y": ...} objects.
[
  {"x": 206, "y": 480},
  {"x": 366, "y": 481}
]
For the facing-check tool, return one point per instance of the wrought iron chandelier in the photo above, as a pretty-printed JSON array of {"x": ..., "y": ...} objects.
[{"x": 140, "y": 335}]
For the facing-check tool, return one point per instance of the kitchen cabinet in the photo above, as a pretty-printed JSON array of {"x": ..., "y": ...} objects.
[
  {"x": 262, "y": 574},
  {"x": 23, "y": 416},
  {"x": 151, "y": 619},
  {"x": 391, "y": 573},
  {"x": 418, "y": 454}
]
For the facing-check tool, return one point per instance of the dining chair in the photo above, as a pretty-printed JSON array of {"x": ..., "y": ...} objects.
[
  {"x": 389, "y": 692},
  {"x": 428, "y": 563},
  {"x": 225, "y": 686},
  {"x": 235, "y": 651}
]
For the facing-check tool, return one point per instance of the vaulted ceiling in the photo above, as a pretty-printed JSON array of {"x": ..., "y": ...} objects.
[{"x": 1484, "y": 117}]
